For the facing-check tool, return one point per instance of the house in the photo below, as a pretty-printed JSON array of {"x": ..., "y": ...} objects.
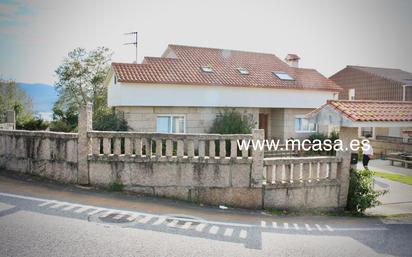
[
  {"x": 366, "y": 114},
  {"x": 370, "y": 83},
  {"x": 183, "y": 90}
]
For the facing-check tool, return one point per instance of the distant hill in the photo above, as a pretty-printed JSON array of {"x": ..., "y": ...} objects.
[{"x": 43, "y": 96}]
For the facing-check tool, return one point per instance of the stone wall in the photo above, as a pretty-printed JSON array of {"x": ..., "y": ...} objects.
[
  {"x": 47, "y": 154},
  {"x": 281, "y": 122},
  {"x": 198, "y": 119},
  {"x": 205, "y": 168},
  {"x": 384, "y": 147}
]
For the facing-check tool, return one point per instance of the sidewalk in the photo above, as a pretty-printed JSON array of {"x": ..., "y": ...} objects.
[
  {"x": 397, "y": 201},
  {"x": 384, "y": 166},
  {"x": 399, "y": 198}
]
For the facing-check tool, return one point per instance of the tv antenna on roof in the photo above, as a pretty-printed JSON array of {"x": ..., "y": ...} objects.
[{"x": 134, "y": 42}]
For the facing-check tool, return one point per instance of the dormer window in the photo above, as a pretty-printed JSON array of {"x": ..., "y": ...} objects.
[
  {"x": 206, "y": 69},
  {"x": 243, "y": 71},
  {"x": 283, "y": 75}
]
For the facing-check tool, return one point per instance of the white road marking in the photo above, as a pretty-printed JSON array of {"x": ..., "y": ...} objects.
[
  {"x": 243, "y": 234},
  {"x": 329, "y": 228},
  {"x": 296, "y": 226},
  {"x": 118, "y": 216},
  {"x": 58, "y": 205},
  {"x": 82, "y": 209},
  {"x": 145, "y": 219},
  {"x": 228, "y": 232},
  {"x": 274, "y": 224},
  {"x": 187, "y": 225},
  {"x": 318, "y": 227},
  {"x": 213, "y": 230},
  {"x": 70, "y": 207},
  {"x": 159, "y": 221},
  {"x": 308, "y": 228},
  {"x": 200, "y": 227},
  {"x": 46, "y": 203},
  {"x": 132, "y": 217},
  {"x": 263, "y": 224},
  {"x": 95, "y": 212},
  {"x": 286, "y": 225},
  {"x": 173, "y": 223},
  {"x": 204, "y": 223}
]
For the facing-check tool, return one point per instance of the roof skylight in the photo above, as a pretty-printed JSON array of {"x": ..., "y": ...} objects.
[
  {"x": 206, "y": 69},
  {"x": 243, "y": 71},
  {"x": 283, "y": 75}
]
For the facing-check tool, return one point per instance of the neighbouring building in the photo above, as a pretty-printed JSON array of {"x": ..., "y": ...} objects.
[
  {"x": 370, "y": 83},
  {"x": 183, "y": 90}
]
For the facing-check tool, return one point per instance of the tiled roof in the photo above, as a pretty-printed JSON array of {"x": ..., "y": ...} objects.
[
  {"x": 373, "y": 110},
  {"x": 398, "y": 75},
  {"x": 181, "y": 65}
]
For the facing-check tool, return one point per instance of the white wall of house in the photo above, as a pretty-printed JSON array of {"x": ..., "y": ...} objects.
[{"x": 213, "y": 96}]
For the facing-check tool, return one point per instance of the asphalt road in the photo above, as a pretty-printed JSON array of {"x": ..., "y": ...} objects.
[{"x": 41, "y": 219}]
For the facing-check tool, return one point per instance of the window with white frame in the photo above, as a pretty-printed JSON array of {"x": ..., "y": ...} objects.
[
  {"x": 351, "y": 94},
  {"x": 367, "y": 132},
  {"x": 303, "y": 125},
  {"x": 170, "y": 124}
]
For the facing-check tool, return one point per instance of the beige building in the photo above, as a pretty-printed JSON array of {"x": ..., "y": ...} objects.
[{"x": 183, "y": 90}]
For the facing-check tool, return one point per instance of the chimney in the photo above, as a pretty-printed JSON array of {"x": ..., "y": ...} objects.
[{"x": 292, "y": 60}]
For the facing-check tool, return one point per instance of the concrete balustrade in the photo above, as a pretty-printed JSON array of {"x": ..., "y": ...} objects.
[
  {"x": 300, "y": 169},
  {"x": 167, "y": 145},
  {"x": 207, "y": 168}
]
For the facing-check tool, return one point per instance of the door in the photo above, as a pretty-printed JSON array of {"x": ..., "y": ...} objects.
[{"x": 263, "y": 123}]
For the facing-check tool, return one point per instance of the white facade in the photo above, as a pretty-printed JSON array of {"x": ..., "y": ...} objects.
[{"x": 129, "y": 94}]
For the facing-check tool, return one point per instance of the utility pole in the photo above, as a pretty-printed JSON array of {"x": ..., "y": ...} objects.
[{"x": 134, "y": 42}]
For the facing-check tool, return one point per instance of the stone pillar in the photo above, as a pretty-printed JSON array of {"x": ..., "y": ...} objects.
[
  {"x": 11, "y": 118},
  {"x": 83, "y": 144},
  {"x": 346, "y": 134},
  {"x": 257, "y": 159}
]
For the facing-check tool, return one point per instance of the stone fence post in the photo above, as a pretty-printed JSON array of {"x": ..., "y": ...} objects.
[
  {"x": 11, "y": 118},
  {"x": 346, "y": 134},
  {"x": 83, "y": 144},
  {"x": 257, "y": 159}
]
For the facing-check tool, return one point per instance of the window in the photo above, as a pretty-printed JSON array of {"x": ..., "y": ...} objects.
[
  {"x": 282, "y": 75},
  {"x": 243, "y": 71},
  {"x": 206, "y": 69},
  {"x": 351, "y": 94},
  {"x": 170, "y": 124},
  {"x": 304, "y": 125},
  {"x": 367, "y": 132}
]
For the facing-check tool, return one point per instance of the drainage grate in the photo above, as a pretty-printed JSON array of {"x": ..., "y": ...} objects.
[
  {"x": 195, "y": 221},
  {"x": 116, "y": 218}
]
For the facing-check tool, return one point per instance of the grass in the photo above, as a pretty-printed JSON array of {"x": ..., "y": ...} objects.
[
  {"x": 395, "y": 177},
  {"x": 116, "y": 187}
]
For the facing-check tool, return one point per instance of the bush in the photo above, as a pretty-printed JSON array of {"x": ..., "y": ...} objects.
[
  {"x": 361, "y": 194},
  {"x": 62, "y": 126},
  {"x": 108, "y": 120},
  {"x": 232, "y": 122},
  {"x": 32, "y": 124}
]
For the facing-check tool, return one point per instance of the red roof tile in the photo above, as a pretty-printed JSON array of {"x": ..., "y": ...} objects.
[
  {"x": 181, "y": 65},
  {"x": 363, "y": 110}
]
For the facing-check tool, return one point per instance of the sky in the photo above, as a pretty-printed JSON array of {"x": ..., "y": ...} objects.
[{"x": 36, "y": 35}]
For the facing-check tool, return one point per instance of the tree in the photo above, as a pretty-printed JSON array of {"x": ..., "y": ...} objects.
[
  {"x": 80, "y": 82},
  {"x": 81, "y": 76},
  {"x": 13, "y": 98}
]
